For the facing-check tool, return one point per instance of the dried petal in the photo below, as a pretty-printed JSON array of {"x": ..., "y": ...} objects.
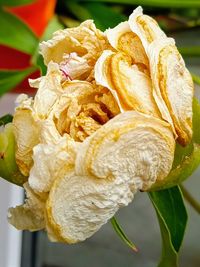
[
  {"x": 131, "y": 87},
  {"x": 123, "y": 39},
  {"x": 85, "y": 40},
  {"x": 130, "y": 145},
  {"x": 51, "y": 161},
  {"x": 145, "y": 27},
  {"x": 49, "y": 88},
  {"x": 30, "y": 215},
  {"x": 128, "y": 153},
  {"x": 173, "y": 87},
  {"x": 26, "y": 133}
]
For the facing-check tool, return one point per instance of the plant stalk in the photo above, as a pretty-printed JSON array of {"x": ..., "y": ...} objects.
[{"x": 190, "y": 199}]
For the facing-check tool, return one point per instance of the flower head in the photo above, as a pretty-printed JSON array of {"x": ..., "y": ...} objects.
[{"x": 102, "y": 125}]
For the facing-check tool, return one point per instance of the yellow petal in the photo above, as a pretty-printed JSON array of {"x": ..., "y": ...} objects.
[
  {"x": 74, "y": 67},
  {"x": 130, "y": 87},
  {"x": 85, "y": 40},
  {"x": 29, "y": 216},
  {"x": 173, "y": 87},
  {"x": 128, "y": 153},
  {"x": 131, "y": 146},
  {"x": 145, "y": 27},
  {"x": 50, "y": 162},
  {"x": 26, "y": 133},
  {"x": 79, "y": 205},
  {"x": 49, "y": 88},
  {"x": 123, "y": 39},
  {"x": 82, "y": 109}
]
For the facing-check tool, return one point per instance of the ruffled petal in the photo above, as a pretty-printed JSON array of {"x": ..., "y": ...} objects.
[
  {"x": 131, "y": 87},
  {"x": 30, "y": 215}
]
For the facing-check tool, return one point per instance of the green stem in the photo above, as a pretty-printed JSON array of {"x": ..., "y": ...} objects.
[
  {"x": 190, "y": 199},
  {"x": 196, "y": 78}
]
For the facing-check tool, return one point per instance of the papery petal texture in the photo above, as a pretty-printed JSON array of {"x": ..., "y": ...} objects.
[
  {"x": 30, "y": 215},
  {"x": 173, "y": 87},
  {"x": 85, "y": 40},
  {"x": 26, "y": 133},
  {"x": 127, "y": 154}
]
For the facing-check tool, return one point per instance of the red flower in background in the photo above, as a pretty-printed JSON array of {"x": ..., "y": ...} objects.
[{"x": 36, "y": 16}]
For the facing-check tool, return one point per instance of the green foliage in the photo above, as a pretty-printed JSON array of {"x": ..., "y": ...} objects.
[
  {"x": 190, "y": 51},
  {"x": 6, "y": 119},
  {"x": 15, "y": 2},
  {"x": 103, "y": 16},
  {"x": 16, "y": 34},
  {"x": 121, "y": 234},
  {"x": 153, "y": 3},
  {"x": 172, "y": 217},
  {"x": 9, "y": 79}
]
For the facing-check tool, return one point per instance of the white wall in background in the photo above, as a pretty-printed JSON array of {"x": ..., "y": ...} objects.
[
  {"x": 10, "y": 238},
  {"x": 10, "y": 195}
]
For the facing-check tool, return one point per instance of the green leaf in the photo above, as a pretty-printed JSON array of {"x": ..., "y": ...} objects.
[
  {"x": 153, "y": 3},
  {"x": 103, "y": 16},
  {"x": 16, "y": 34},
  {"x": 8, "y": 167},
  {"x": 9, "y": 79},
  {"x": 190, "y": 51},
  {"x": 53, "y": 25},
  {"x": 121, "y": 234},
  {"x": 6, "y": 119},
  {"x": 172, "y": 217},
  {"x": 15, "y": 2}
]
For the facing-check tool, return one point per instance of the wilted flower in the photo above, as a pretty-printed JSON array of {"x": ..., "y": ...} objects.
[{"x": 102, "y": 125}]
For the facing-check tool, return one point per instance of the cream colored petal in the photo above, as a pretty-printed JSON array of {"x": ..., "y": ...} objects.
[
  {"x": 173, "y": 87},
  {"x": 26, "y": 133},
  {"x": 61, "y": 43},
  {"x": 131, "y": 146},
  {"x": 50, "y": 162},
  {"x": 102, "y": 73},
  {"x": 123, "y": 39},
  {"x": 85, "y": 40},
  {"x": 48, "y": 91},
  {"x": 74, "y": 67},
  {"x": 114, "y": 34},
  {"x": 79, "y": 205},
  {"x": 130, "y": 87},
  {"x": 24, "y": 102},
  {"x": 49, "y": 134},
  {"x": 29, "y": 216},
  {"x": 145, "y": 27},
  {"x": 82, "y": 108},
  {"x": 128, "y": 153}
]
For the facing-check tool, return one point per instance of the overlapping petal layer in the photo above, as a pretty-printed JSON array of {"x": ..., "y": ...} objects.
[
  {"x": 172, "y": 82},
  {"x": 127, "y": 154}
]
